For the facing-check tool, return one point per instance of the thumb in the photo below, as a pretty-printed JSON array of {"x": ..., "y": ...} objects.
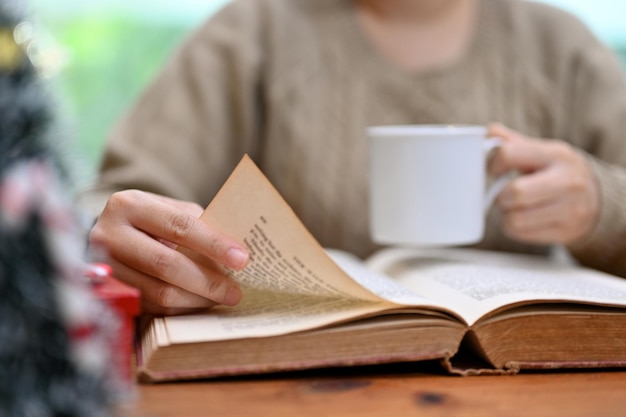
[
  {"x": 517, "y": 152},
  {"x": 505, "y": 134}
]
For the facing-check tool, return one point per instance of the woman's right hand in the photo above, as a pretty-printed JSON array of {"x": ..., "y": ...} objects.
[{"x": 140, "y": 232}]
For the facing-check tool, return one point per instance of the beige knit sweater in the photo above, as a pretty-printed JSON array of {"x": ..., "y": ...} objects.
[{"x": 294, "y": 83}]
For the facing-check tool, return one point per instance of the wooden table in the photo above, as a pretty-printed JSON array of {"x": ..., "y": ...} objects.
[{"x": 388, "y": 392}]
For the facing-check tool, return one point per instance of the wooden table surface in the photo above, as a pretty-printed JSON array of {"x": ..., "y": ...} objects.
[{"x": 388, "y": 393}]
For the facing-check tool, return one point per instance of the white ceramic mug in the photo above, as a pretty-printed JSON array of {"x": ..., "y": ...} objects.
[{"x": 428, "y": 184}]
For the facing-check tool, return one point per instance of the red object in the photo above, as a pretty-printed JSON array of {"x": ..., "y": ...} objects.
[{"x": 125, "y": 302}]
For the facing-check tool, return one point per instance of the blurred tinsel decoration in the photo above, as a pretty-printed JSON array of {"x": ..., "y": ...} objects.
[{"x": 54, "y": 333}]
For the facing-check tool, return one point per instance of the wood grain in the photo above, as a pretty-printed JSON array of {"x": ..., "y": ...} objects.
[{"x": 388, "y": 394}]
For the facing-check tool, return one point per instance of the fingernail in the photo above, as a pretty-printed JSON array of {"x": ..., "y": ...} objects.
[
  {"x": 233, "y": 296},
  {"x": 236, "y": 258}
]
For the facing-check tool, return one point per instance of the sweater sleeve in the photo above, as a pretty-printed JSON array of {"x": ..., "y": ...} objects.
[
  {"x": 597, "y": 121},
  {"x": 192, "y": 125}
]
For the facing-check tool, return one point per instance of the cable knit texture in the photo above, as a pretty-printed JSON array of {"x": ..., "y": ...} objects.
[{"x": 294, "y": 83}]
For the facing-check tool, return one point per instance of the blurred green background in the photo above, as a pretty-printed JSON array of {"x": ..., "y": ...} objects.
[{"x": 102, "y": 53}]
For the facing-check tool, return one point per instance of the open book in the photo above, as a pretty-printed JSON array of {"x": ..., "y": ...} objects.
[{"x": 306, "y": 307}]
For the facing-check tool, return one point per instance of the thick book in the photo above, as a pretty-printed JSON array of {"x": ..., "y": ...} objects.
[{"x": 305, "y": 306}]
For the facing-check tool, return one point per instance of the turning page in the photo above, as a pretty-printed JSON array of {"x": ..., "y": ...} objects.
[{"x": 291, "y": 282}]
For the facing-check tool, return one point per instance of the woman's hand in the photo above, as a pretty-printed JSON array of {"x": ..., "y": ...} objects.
[
  {"x": 555, "y": 200},
  {"x": 140, "y": 232}
]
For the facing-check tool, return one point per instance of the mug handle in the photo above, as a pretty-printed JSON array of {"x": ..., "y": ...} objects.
[{"x": 498, "y": 184}]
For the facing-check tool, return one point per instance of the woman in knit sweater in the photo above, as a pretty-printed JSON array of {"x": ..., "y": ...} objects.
[{"x": 294, "y": 83}]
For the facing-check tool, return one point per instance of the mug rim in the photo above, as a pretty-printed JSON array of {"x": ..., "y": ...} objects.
[{"x": 427, "y": 129}]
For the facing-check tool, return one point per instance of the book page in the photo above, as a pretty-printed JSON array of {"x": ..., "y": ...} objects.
[
  {"x": 268, "y": 313},
  {"x": 285, "y": 257},
  {"x": 290, "y": 284},
  {"x": 268, "y": 310},
  {"x": 475, "y": 282},
  {"x": 380, "y": 284}
]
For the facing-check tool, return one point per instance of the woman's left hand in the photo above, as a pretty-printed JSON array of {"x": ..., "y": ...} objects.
[{"x": 555, "y": 200}]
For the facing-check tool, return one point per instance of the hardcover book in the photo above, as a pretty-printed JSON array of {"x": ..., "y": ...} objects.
[{"x": 305, "y": 306}]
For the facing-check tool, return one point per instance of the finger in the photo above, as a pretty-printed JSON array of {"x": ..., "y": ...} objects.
[
  {"x": 148, "y": 307},
  {"x": 525, "y": 156},
  {"x": 537, "y": 234},
  {"x": 548, "y": 235},
  {"x": 532, "y": 190},
  {"x": 545, "y": 224},
  {"x": 154, "y": 259},
  {"x": 157, "y": 294},
  {"x": 157, "y": 218},
  {"x": 192, "y": 209},
  {"x": 505, "y": 134},
  {"x": 526, "y": 221},
  {"x": 129, "y": 245}
]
